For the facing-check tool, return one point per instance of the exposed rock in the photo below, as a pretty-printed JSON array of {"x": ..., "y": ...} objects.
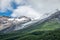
[{"x": 7, "y": 23}]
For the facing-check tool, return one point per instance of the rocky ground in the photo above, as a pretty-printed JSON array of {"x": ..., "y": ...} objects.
[{"x": 6, "y": 22}]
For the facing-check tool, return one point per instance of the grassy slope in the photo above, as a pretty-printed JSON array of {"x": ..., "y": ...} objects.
[{"x": 44, "y": 31}]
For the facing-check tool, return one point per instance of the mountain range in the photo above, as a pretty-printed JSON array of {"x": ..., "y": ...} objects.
[
  {"x": 8, "y": 24},
  {"x": 46, "y": 28}
]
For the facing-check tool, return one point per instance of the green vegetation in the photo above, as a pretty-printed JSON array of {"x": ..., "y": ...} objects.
[{"x": 49, "y": 30}]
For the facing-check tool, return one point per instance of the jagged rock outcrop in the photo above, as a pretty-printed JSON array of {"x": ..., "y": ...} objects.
[{"x": 8, "y": 24}]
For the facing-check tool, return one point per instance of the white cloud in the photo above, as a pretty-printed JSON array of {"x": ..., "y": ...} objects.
[
  {"x": 26, "y": 11},
  {"x": 42, "y": 6},
  {"x": 20, "y": 2},
  {"x": 5, "y": 4},
  {"x": 45, "y": 6}
]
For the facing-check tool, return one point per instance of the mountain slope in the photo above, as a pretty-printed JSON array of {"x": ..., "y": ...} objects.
[
  {"x": 10, "y": 24},
  {"x": 40, "y": 32},
  {"x": 46, "y": 30}
]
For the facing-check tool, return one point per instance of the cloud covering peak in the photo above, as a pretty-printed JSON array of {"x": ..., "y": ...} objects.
[
  {"x": 26, "y": 11},
  {"x": 30, "y": 8}
]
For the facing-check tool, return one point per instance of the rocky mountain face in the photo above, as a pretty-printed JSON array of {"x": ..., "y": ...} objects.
[
  {"x": 4, "y": 22},
  {"x": 9, "y": 24}
]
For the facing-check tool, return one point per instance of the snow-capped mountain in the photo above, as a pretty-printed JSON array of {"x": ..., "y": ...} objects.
[
  {"x": 25, "y": 13},
  {"x": 7, "y": 22}
]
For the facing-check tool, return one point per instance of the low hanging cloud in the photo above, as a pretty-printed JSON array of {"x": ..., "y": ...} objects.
[
  {"x": 26, "y": 11},
  {"x": 39, "y": 7},
  {"x": 45, "y": 6}
]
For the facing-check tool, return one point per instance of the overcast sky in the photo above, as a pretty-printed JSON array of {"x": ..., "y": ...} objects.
[
  {"x": 44, "y": 6},
  {"x": 37, "y": 6}
]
